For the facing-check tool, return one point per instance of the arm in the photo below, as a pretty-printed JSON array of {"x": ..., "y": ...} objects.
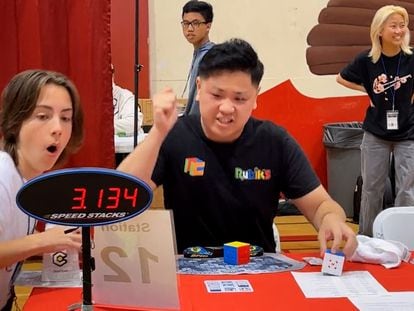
[
  {"x": 350, "y": 85},
  {"x": 45, "y": 242},
  {"x": 329, "y": 219},
  {"x": 141, "y": 161}
]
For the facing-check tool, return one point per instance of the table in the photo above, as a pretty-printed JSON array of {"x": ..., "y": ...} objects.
[
  {"x": 125, "y": 144},
  {"x": 276, "y": 291}
]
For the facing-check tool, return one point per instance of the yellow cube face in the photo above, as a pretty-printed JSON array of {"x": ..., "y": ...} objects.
[{"x": 237, "y": 244}]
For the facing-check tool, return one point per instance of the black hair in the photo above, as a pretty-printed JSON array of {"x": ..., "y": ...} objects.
[
  {"x": 232, "y": 55},
  {"x": 204, "y": 8}
]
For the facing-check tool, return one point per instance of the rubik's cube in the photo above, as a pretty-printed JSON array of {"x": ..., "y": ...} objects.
[
  {"x": 236, "y": 253},
  {"x": 333, "y": 264}
]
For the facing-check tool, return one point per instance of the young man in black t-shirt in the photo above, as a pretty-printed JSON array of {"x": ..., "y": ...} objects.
[{"x": 222, "y": 172}]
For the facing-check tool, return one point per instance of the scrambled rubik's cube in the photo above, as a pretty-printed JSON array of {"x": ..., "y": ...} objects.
[
  {"x": 237, "y": 253},
  {"x": 333, "y": 264}
]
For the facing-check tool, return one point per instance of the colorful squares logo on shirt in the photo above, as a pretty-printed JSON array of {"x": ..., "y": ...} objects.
[{"x": 194, "y": 166}]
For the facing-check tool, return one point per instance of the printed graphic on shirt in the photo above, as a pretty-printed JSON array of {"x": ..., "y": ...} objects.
[
  {"x": 252, "y": 174},
  {"x": 194, "y": 166},
  {"x": 381, "y": 83}
]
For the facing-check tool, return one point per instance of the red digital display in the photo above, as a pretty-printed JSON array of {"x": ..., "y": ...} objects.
[
  {"x": 84, "y": 196},
  {"x": 106, "y": 198}
]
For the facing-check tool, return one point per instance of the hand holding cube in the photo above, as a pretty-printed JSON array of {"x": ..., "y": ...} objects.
[{"x": 333, "y": 264}]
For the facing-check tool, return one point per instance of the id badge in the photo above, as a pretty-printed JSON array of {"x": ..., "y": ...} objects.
[{"x": 392, "y": 120}]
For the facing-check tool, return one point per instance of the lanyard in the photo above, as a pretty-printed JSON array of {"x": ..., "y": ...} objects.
[
  {"x": 396, "y": 78},
  {"x": 189, "y": 73}
]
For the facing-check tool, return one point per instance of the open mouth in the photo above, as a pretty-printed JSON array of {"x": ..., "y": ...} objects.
[
  {"x": 224, "y": 120},
  {"x": 52, "y": 148}
]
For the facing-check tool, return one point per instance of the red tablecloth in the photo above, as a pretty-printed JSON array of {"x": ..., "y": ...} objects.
[{"x": 275, "y": 291}]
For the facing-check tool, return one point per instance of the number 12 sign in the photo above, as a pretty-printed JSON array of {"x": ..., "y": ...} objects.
[{"x": 136, "y": 264}]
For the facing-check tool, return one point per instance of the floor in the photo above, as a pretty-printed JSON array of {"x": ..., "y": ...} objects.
[{"x": 296, "y": 235}]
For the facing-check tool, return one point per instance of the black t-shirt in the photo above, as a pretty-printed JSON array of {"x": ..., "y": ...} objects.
[
  {"x": 224, "y": 192},
  {"x": 379, "y": 82}
]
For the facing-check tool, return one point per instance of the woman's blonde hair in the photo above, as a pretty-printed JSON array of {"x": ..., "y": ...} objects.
[{"x": 377, "y": 26}]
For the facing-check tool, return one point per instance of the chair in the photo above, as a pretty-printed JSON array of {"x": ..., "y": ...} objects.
[
  {"x": 145, "y": 105},
  {"x": 395, "y": 223}
]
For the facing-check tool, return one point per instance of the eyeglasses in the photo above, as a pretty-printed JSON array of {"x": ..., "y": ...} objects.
[{"x": 195, "y": 24}]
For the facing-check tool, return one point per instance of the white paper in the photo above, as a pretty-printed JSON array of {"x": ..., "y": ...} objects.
[
  {"x": 351, "y": 283},
  {"x": 228, "y": 286},
  {"x": 126, "y": 144},
  {"x": 393, "y": 301}
]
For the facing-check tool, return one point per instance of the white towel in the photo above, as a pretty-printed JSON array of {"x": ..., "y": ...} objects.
[{"x": 385, "y": 252}]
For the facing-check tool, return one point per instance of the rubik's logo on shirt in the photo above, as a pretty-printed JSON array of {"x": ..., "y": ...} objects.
[
  {"x": 194, "y": 166},
  {"x": 252, "y": 174}
]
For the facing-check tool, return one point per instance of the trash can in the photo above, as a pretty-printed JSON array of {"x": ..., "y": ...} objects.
[{"x": 342, "y": 143}]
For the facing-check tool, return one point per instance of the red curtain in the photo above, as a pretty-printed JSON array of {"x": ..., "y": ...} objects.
[{"x": 72, "y": 37}]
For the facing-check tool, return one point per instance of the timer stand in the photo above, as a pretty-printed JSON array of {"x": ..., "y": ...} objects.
[
  {"x": 84, "y": 197},
  {"x": 87, "y": 267}
]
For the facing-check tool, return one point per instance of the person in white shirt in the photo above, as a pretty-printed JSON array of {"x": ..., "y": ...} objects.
[
  {"x": 124, "y": 101},
  {"x": 41, "y": 123}
]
